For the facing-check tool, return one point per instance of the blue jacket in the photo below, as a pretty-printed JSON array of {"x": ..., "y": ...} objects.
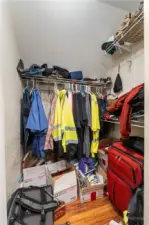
[{"x": 37, "y": 123}]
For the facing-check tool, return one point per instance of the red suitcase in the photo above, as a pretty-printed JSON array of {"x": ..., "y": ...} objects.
[{"x": 125, "y": 174}]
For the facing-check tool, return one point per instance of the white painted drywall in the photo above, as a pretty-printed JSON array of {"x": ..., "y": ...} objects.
[
  {"x": 129, "y": 5},
  {"x": 131, "y": 69},
  {"x": 132, "y": 74},
  {"x": 11, "y": 96},
  {"x": 146, "y": 176},
  {"x": 65, "y": 33},
  {"x": 3, "y": 210}
]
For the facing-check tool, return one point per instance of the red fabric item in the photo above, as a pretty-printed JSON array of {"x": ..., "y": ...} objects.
[
  {"x": 107, "y": 116},
  {"x": 125, "y": 173},
  {"x": 118, "y": 104},
  {"x": 132, "y": 153},
  {"x": 125, "y": 119},
  {"x": 93, "y": 196},
  {"x": 103, "y": 162},
  {"x": 119, "y": 192}
]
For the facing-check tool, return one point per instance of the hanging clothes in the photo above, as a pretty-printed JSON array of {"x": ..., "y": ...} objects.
[
  {"x": 49, "y": 139},
  {"x": 46, "y": 98},
  {"x": 87, "y": 135},
  {"x": 37, "y": 123},
  {"x": 80, "y": 118},
  {"x": 69, "y": 134},
  {"x": 95, "y": 124},
  {"x": 25, "y": 110},
  {"x": 102, "y": 106},
  {"x": 57, "y": 127},
  {"x": 70, "y": 99},
  {"x": 77, "y": 120},
  {"x": 86, "y": 142}
]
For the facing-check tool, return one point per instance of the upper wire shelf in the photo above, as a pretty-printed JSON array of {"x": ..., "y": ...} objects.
[
  {"x": 49, "y": 80},
  {"x": 134, "y": 33}
]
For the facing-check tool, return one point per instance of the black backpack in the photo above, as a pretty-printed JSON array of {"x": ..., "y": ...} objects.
[
  {"x": 33, "y": 205},
  {"x": 136, "y": 207},
  {"x": 118, "y": 84}
]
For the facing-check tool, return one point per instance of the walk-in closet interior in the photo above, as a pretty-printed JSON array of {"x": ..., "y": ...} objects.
[{"x": 72, "y": 111}]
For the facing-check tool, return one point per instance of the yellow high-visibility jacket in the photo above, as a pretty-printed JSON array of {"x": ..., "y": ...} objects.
[
  {"x": 95, "y": 124},
  {"x": 57, "y": 132},
  {"x": 69, "y": 134}
]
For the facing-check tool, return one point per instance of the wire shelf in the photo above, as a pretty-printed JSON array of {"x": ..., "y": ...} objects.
[
  {"x": 133, "y": 123},
  {"x": 49, "y": 80},
  {"x": 134, "y": 32}
]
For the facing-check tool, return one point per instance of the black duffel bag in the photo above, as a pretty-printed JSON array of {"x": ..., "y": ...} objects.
[
  {"x": 33, "y": 205},
  {"x": 135, "y": 143},
  {"x": 136, "y": 207}
]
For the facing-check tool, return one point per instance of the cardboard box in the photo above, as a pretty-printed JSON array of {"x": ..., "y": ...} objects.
[
  {"x": 64, "y": 186},
  {"x": 104, "y": 144},
  {"x": 35, "y": 176},
  {"x": 57, "y": 167},
  {"x": 102, "y": 175},
  {"x": 91, "y": 193},
  {"x": 103, "y": 158}
]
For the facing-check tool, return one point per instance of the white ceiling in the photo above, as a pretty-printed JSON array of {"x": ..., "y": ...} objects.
[{"x": 128, "y": 5}]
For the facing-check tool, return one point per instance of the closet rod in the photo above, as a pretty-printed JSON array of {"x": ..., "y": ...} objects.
[{"x": 42, "y": 79}]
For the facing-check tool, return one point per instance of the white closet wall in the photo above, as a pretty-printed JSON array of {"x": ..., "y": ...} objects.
[
  {"x": 3, "y": 210},
  {"x": 131, "y": 69},
  {"x": 68, "y": 33},
  {"x": 132, "y": 74},
  {"x": 11, "y": 90}
]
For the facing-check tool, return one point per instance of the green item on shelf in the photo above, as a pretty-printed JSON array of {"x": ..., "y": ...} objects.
[{"x": 106, "y": 46}]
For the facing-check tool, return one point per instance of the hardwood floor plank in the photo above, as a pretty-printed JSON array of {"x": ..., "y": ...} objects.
[{"x": 99, "y": 212}]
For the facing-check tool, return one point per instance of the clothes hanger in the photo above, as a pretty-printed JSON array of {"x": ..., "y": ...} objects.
[
  {"x": 26, "y": 86},
  {"x": 33, "y": 86},
  {"x": 82, "y": 91},
  {"x": 55, "y": 87},
  {"x": 77, "y": 90},
  {"x": 73, "y": 88},
  {"x": 99, "y": 93},
  {"x": 69, "y": 86},
  {"x": 86, "y": 89},
  {"x": 89, "y": 89}
]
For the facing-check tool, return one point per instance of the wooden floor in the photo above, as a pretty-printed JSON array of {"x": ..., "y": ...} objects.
[{"x": 99, "y": 212}]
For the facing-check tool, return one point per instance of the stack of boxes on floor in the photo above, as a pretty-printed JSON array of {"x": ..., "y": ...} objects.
[{"x": 67, "y": 181}]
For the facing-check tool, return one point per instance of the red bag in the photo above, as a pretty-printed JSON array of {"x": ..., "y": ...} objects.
[
  {"x": 122, "y": 104},
  {"x": 125, "y": 119},
  {"x": 125, "y": 174}
]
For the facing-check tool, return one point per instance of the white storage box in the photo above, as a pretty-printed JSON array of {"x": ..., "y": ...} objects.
[
  {"x": 57, "y": 167},
  {"x": 34, "y": 176},
  {"x": 91, "y": 193},
  {"x": 103, "y": 158},
  {"x": 64, "y": 186},
  {"x": 104, "y": 145}
]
